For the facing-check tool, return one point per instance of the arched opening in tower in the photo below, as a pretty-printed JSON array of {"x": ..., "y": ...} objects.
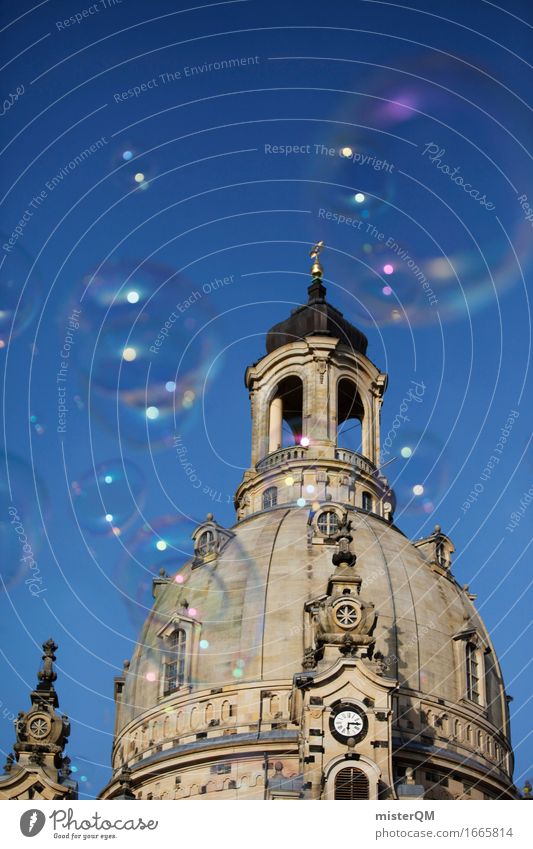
[
  {"x": 351, "y": 783},
  {"x": 286, "y": 414},
  {"x": 350, "y": 414}
]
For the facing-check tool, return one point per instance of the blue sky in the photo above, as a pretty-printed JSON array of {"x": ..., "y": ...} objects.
[{"x": 158, "y": 160}]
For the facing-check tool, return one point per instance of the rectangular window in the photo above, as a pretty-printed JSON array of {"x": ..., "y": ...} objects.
[
  {"x": 367, "y": 502},
  {"x": 472, "y": 673},
  {"x": 175, "y": 664}
]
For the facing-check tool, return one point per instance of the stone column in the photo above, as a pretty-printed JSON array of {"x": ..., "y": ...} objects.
[
  {"x": 275, "y": 424},
  {"x": 320, "y": 406}
]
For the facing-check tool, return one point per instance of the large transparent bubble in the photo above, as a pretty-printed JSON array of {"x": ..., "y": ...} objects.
[
  {"x": 133, "y": 170},
  {"x": 363, "y": 174},
  {"x": 108, "y": 499},
  {"x": 420, "y": 474},
  {"x": 20, "y": 293},
  {"x": 146, "y": 349},
  {"x": 163, "y": 543},
  {"x": 382, "y": 288}
]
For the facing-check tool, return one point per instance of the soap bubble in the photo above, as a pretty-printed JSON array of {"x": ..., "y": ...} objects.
[
  {"x": 143, "y": 559},
  {"x": 145, "y": 367},
  {"x": 377, "y": 296},
  {"x": 128, "y": 162},
  {"x": 108, "y": 497},
  {"x": 20, "y": 295},
  {"x": 365, "y": 182},
  {"x": 421, "y": 474}
]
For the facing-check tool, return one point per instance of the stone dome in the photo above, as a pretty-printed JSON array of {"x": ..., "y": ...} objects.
[
  {"x": 250, "y": 601},
  {"x": 313, "y": 633}
]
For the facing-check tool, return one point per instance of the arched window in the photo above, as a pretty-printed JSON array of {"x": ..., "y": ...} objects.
[
  {"x": 328, "y": 522},
  {"x": 472, "y": 673},
  {"x": 175, "y": 663},
  {"x": 350, "y": 415},
  {"x": 286, "y": 412},
  {"x": 206, "y": 543},
  {"x": 367, "y": 502},
  {"x": 270, "y": 497},
  {"x": 351, "y": 783}
]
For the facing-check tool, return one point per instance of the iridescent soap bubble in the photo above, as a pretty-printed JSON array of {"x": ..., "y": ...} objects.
[
  {"x": 228, "y": 642},
  {"x": 20, "y": 294},
  {"x": 420, "y": 474},
  {"x": 124, "y": 283},
  {"x": 143, "y": 559},
  {"x": 128, "y": 161},
  {"x": 467, "y": 281},
  {"x": 139, "y": 353},
  {"x": 109, "y": 497},
  {"x": 453, "y": 93},
  {"x": 151, "y": 415},
  {"x": 21, "y": 499},
  {"x": 235, "y": 642},
  {"x": 439, "y": 86},
  {"x": 383, "y": 291},
  {"x": 364, "y": 181}
]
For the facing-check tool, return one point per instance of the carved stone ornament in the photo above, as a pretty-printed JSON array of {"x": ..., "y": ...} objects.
[
  {"x": 344, "y": 554},
  {"x": 309, "y": 661},
  {"x": 47, "y": 675},
  {"x": 322, "y": 366},
  {"x": 346, "y": 615}
]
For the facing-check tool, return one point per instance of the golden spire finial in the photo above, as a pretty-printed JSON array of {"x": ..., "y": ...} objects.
[{"x": 314, "y": 253}]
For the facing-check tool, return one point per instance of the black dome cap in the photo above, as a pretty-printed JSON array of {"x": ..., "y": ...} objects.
[{"x": 316, "y": 318}]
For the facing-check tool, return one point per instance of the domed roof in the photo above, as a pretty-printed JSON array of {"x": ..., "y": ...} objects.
[
  {"x": 317, "y": 317},
  {"x": 250, "y": 601}
]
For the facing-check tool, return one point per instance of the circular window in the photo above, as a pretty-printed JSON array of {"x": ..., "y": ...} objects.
[
  {"x": 328, "y": 522},
  {"x": 206, "y": 543},
  {"x": 347, "y": 614},
  {"x": 39, "y": 727}
]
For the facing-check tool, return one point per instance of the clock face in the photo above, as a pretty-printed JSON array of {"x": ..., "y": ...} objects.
[{"x": 348, "y": 722}]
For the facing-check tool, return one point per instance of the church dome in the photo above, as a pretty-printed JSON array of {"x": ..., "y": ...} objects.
[
  {"x": 249, "y": 602},
  {"x": 311, "y": 650}
]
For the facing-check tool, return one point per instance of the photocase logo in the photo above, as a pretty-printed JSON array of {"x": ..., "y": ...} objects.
[{"x": 32, "y": 822}]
